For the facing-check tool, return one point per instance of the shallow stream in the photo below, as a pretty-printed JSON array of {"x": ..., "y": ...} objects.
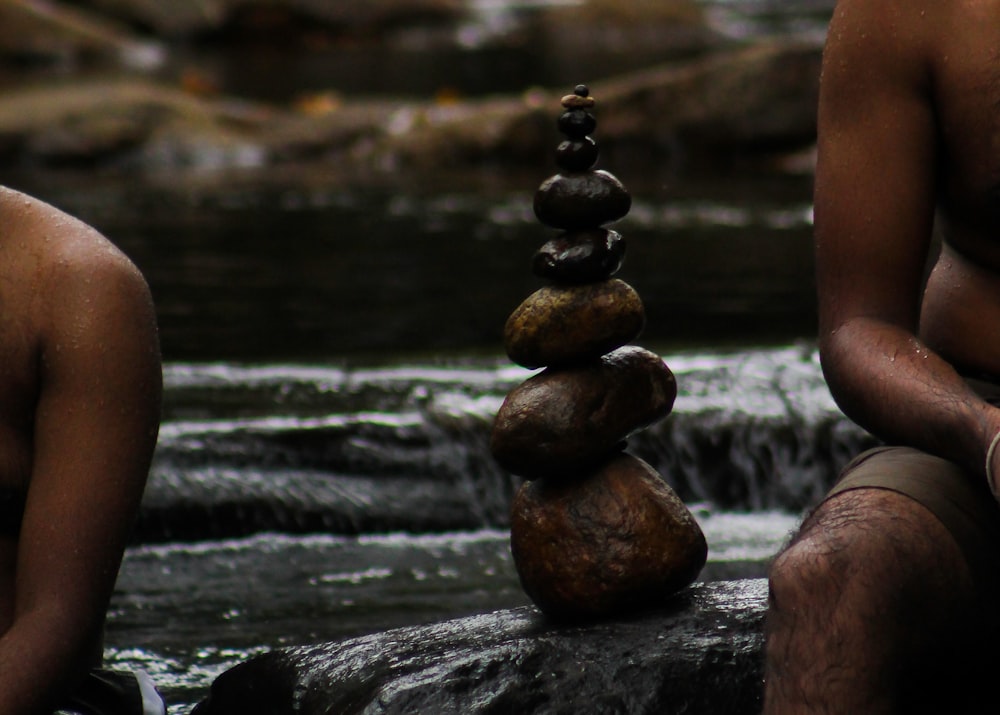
[{"x": 333, "y": 360}]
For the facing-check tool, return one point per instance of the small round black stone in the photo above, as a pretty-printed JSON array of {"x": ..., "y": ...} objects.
[
  {"x": 577, "y": 123},
  {"x": 581, "y": 90},
  {"x": 577, "y": 154}
]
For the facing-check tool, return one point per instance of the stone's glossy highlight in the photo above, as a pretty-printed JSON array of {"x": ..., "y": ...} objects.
[
  {"x": 584, "y": 200},
  {"x": 563, "y": 422},
  {"x": 617, "y": 540},
  {"x": 556, "y": 325},
  {"x": 577, "y": 154},
  {"x": 576, "y": 123},
  {"x": 583, "y": 256}
]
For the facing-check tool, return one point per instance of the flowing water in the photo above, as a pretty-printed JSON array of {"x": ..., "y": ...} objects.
[
  {"x": 294, "y": 503},
  {"x": 333, "y": 361}
]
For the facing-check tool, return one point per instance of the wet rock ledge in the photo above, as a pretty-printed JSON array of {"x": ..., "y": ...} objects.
[{"x": 699, "y": 653}]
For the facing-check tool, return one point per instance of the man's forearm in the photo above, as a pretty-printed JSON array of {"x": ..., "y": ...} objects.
[{"x": 891, "y": 384}]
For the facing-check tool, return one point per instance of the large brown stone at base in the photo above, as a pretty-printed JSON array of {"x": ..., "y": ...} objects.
[
  {"x": 560, "y": 324},
  {"x": 564, "y": 421},
  {"x": 620, "y": 539}
]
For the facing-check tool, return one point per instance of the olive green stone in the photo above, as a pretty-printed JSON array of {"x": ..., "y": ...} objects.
[
  {"x": 613, "y": 541},
  {"x": 560, "y": 324}
]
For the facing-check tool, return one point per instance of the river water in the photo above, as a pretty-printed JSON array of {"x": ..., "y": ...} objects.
[
  {"x": 296, "y": 503},
  {"x": 333, "y": 361}
]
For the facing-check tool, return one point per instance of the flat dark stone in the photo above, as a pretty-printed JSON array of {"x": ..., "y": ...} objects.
[
  {"x": 581, "y": 200},
  {"x": 584, "y": 256}
]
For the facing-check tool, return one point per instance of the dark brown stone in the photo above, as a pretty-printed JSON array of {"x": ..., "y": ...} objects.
[
  {"x": 566, "y": 421},
  {"x": 618, "y": 540},
  {"x": 585, "y": 200},
  {"x": 577, "y": 154},
  {"x": 561, "y": 324},
  {"x": 577, "y": 123},
  {"x": 580, "y": 256}
]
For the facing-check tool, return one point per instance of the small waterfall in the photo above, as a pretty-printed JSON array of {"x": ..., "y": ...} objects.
[
  {"x": 753, "y": 431},
  {"x": 339, "y": 450}
]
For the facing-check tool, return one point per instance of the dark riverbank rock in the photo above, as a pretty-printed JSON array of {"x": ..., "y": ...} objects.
[
  {"x": 566, "y": 421},
  {"x": 748, "y": 104},
  {"x": 606, "y": 545},
  {"x": 757, "y": 101},
  {"x": 581, "y": 200},
  {"x": 583, "y": 256},
  {"x": 185, "y": 18},
  {"x": 560, "y": 324},
  {"x": 699, "y": 652},
  {"x": 657, "y": 28},
  {"x": 38, "y": 31}
]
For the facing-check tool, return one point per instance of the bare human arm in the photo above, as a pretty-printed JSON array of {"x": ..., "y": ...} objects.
[
  {"x": 874, "y": 201},
  {"x": 95, "y": 427}
]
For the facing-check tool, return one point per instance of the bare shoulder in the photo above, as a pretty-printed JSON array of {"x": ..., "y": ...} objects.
[
  {"x": 69, "y": 258},
  {"x": 871, "y": 40},
  {"x": 85, "y": 293}
]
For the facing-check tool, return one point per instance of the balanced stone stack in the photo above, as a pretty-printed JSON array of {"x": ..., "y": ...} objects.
[{"x": 595, "y": 531}]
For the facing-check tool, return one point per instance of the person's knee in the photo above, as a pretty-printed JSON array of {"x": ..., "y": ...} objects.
[
  {"x": 805, "y": 573},
  {"x": 838, "y": 556},
  {"x": 866, "y": 554}
]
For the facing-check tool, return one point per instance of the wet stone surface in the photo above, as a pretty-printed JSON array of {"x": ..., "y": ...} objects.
[
  {"x": 581, "y": 200},
  {"x": 577, "y": 154},
  {"x": 698, "y": 651},
  {"x": 561, "y": 324},
  {"x": 566, "y": 421},
  {"x": 584, "y": 256},
  {"x": 605, "y": 545}
]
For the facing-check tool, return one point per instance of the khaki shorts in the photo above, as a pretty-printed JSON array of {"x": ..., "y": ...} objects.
[{"x": 960, "y": 501}]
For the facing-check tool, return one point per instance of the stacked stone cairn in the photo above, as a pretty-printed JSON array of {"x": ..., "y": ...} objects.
[{"x": 595, "y": 531}]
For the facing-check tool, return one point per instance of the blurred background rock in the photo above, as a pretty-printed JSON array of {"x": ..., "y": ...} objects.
[{"x": 384, "y": 84}]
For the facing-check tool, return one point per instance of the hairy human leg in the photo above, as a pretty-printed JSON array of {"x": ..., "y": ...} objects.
[{"x": 870, "y": 589}]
